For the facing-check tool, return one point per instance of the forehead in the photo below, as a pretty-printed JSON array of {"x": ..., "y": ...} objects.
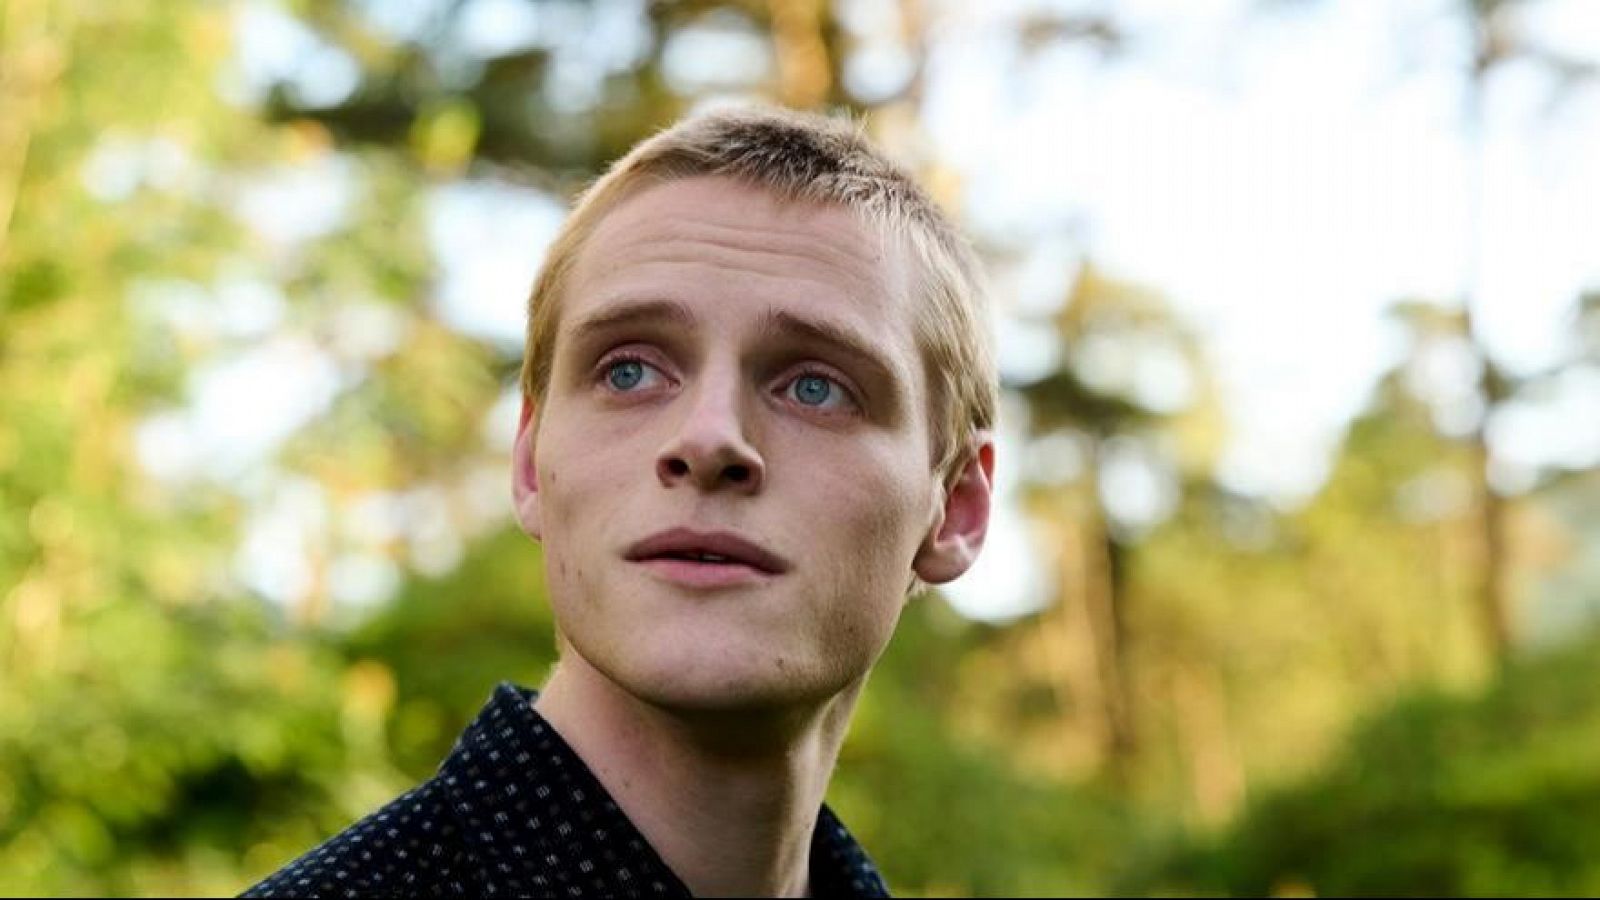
[{"x": 736, "y": 245}]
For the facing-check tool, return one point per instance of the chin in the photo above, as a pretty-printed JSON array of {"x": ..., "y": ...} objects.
[
  {"x": 711, "y": 676},
  {"x": 732, "y": 653},
  {"x": 725, "y": 684}
]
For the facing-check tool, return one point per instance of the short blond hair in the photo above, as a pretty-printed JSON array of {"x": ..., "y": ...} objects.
[{"x": 808, "y": 158}]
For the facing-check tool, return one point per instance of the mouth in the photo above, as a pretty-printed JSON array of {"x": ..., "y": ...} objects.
[{"x": 706, "y": 559}]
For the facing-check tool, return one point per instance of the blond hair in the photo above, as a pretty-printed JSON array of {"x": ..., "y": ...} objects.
[{"x": 808, "y": 158}]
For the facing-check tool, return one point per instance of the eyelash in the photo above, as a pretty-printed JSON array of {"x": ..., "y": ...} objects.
[{"x": 622, "y": 356}]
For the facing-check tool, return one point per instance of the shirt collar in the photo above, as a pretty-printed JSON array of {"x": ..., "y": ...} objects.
[{"x": 541, "y": 823}]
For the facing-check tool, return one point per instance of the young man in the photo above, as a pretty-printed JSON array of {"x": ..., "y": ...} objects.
[{"x": 757, "y": 411}]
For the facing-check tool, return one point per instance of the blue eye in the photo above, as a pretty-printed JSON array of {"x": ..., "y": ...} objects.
[
  {"x": 625, "y": 374},
  {"x": 812, "y": 390},
  {"x": 819, "y": 392}
]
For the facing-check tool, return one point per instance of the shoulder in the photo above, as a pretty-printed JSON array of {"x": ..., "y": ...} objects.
[{"x": 411, "y": 846}]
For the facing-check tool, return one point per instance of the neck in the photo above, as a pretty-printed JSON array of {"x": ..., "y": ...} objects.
[{"x": 729, "y": 801}]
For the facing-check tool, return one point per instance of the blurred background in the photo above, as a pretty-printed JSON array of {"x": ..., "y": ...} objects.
[{"x": 1295, "y": 588}]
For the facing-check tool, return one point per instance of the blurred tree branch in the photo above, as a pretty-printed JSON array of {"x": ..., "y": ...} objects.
[{"x": 33, "y": 54}]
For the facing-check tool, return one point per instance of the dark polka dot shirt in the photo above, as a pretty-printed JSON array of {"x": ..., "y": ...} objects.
[{"x": 513, "y": 811}]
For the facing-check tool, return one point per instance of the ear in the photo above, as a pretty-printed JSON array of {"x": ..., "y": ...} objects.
[
  {"x": 962, "y": 521},
  {"x": 525, "y": 475}
]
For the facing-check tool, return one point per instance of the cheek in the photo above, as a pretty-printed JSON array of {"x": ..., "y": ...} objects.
[
  {"x": 575, "y": 503},
  {"x": 890, "y": 489},
  {"x": 564, "y": 565},
  {"x": 579, "y": 466},
  {"x": 873, "y": 517}
]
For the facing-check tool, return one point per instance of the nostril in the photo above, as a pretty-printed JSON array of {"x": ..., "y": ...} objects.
[
  {"x": 738, "y": 474},
  {"x": 677, "y": 467}
]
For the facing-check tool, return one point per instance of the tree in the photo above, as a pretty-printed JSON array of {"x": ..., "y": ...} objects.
[
  {"x": 1477, "y": 795},
  {"x": 1130, "y": 403},
  {"x": 1495, "y": 40},
  {"x": 118, "y": 633}
]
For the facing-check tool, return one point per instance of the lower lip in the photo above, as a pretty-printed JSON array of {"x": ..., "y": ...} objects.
[{"x": 705, "y": 575}]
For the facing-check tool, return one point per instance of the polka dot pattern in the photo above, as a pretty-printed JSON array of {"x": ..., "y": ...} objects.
[{"x": 514, "y": 812}]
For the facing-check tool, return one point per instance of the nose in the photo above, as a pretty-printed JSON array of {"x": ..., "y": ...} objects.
[{"x": 710, "y": 448}]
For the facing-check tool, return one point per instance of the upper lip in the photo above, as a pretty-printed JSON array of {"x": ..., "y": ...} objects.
[{"x": 721, "y": 543}]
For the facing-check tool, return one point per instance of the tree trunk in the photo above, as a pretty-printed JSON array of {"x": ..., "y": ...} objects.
[
  {"x": 1200, "y": 710},
  {"x": 1489, "y": 508},
  {"x": 1081, "y": 636},
  {"x": 1105, "y": 599},
  {"x": 1490, "y": 513},
  {"x": 1102, "y": 589}
]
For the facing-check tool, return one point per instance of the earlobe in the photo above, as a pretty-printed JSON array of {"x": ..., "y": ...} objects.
[
  {"x": 525, "y": 473},
  {"x": 957, "y": 535}
]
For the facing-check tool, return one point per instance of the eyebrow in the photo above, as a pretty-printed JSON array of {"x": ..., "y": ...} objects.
[
  {"x": 842, "y": 339},
  {"x": 777, "y": 322},
  {"x": 633, "y": 313}
]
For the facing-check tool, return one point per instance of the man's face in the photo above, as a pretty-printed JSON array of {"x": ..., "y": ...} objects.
[{"x": 730, "y": 474}]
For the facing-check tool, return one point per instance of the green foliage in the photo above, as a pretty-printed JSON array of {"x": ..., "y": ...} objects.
[
  {"x": 947, "y": 816},
  {"x": 160, "y": 732},
  {"x": 1440, "y": 794},
  {"x": 449, "y": 640},
  {"x": 110, "y": 787},
  {"x": 165, "y": 731}
]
